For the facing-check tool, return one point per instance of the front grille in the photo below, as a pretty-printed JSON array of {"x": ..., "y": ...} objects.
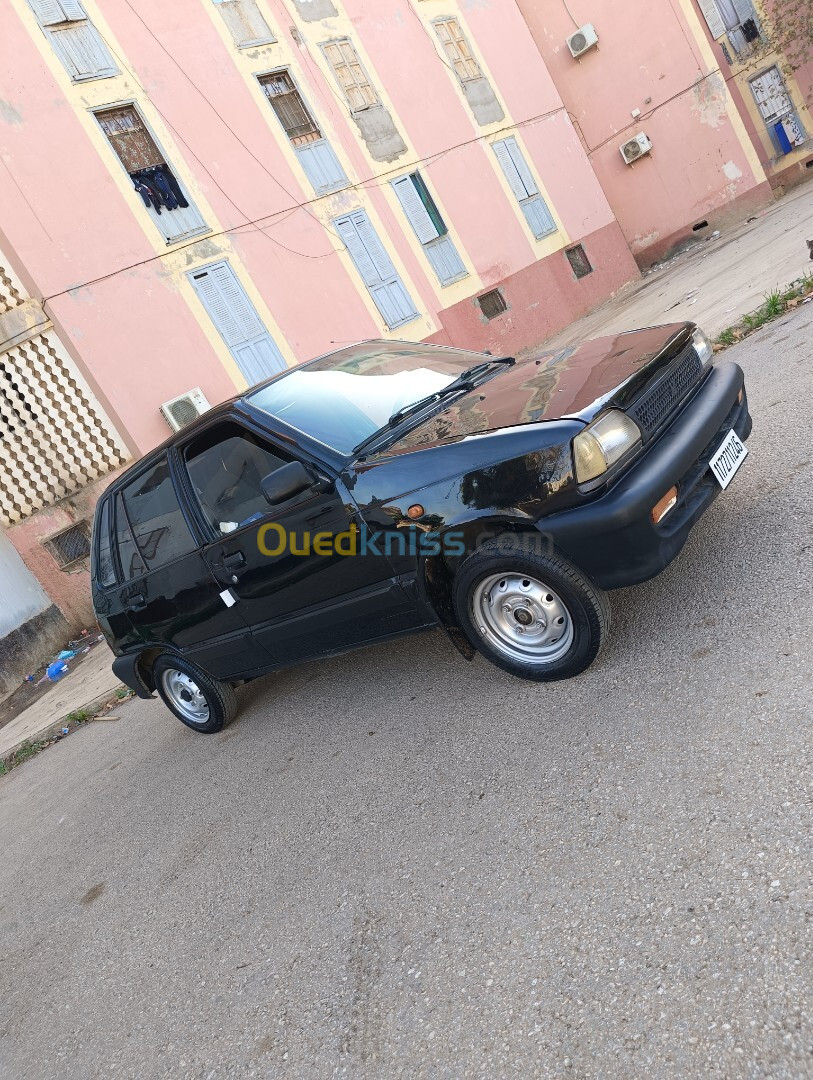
[{"x": 654, "y": 407}]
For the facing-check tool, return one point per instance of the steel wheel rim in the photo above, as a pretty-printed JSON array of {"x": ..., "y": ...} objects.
[
  {"x": 522, "y": 618},
  {"x": 185, "y": 695}
]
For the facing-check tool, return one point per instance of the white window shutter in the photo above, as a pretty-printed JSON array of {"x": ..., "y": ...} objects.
[
  {"x": 321, "y": 166},
  {"x": 233, "y": 314},
  {"x": 258, "y": 360},
  {"x": 376, "y": 269},
  {"x": 445, "y": 260},
  {"x": 48, "y": 12},
  {"x": 83, "y": 52},
  {"x": 745, "y": 11},
  {"x": 509, "y": 168},
  {"x": 73, "y": 9},
  {"x": 357, "y": 251},
  {"x": 712, "y": 17},
  {"x": 245, "y": 22},
  {"x": 414, "y": 209},
  {"x": 538, "y": 216},
  {"x": 521, "y": 165},
  {"x": 375, "y": 249},
  {"x": 237, "y": 320}
]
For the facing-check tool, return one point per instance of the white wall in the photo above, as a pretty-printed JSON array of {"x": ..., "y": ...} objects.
[{"x": 21, "y": 596}]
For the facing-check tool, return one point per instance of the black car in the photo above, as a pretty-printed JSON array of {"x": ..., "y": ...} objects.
[{"x": 391, "y": 487}]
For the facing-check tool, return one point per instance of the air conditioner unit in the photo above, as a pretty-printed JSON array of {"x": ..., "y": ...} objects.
[
  {"x": 182, "y": 410},
  {"x": 584, "y": 39},
  {"x": 635, "y": 148}
]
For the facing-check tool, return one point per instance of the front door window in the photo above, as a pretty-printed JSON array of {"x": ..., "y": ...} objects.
[{"x": 226, "y": 467}]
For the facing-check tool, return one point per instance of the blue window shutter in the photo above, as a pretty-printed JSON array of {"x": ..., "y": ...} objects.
[
  {"x": 506, "y": 160},
  {"x": 521, "y": 165},
  {"x": 538, "y": 216},
  {"x": 524, "y": 187},
  {"x": 376, "y": 269},
  {"x": 375, "y": 249},
  {"x": 416, "y": 212},
  {"x": 445, "y": 260},
  {"x": 712, "y": 16},
  {"x": 233, "y": 314},
  {"x": 48, "y": 12},
  {"x": 82, "y": 50},
  {"x": 358, "y": 253},
  {"x": 321, "y": 166}
]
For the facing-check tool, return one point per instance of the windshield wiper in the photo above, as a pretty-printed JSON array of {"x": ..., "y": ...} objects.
[{"x": 464, "y": 381}]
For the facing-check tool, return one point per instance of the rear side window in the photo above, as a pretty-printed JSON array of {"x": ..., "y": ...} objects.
[
  {"x": 155, "y": 517},
  {"x": 131, "y": 564},
  {"x": 104, "y": 570}
]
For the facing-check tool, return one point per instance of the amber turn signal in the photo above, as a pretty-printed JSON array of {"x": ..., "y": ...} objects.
[{"x": 664, "y": 505}]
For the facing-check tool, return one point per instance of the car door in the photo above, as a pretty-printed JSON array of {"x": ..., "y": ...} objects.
[
  {"x": 300, "y": 598},
  {"x": 165, "y": 585}
]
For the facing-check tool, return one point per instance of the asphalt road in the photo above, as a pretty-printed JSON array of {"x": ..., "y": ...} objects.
[{"x": 397, "y": 864}]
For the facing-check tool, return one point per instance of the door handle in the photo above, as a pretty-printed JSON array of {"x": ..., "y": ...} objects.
[
  {"x": 136, "y": 603},
  {"x": 234, "y": 561}
]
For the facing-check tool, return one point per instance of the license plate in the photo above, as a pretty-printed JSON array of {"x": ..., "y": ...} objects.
[{"x": 727, "y": 460}]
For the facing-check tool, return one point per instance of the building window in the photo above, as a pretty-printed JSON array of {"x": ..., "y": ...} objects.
[
  {"x": 315, "y": 154},
  {"x": 351, "y": 76},
  {"x": 430, "y": 228},
  {"x": 776, "y": 108},
  {"x": 735, "y": 19},
  {"x": 492, "y": 304},
  {"x": 254, "y": 350},
  {"x": 376, "y": 269},
  {"x": 69, "y": 546},
  {"x": 523, "y": 185},
  {"x": 245, "y": 22},
  {"x": 165, "y": 199},
  {"x": 457, "y": 50},
  {"x": 75, "y": 39},
  {"x": 579, "y": 263}
]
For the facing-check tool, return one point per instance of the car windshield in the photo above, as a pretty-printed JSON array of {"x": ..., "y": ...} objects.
[{"x": 343, "y": 399}]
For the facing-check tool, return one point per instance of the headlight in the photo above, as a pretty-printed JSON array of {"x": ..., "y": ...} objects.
[
  {"x": 702, "y": 346},
  {"x": 602, "y": 443}
]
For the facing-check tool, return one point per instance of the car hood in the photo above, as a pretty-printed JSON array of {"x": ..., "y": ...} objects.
[{"x": 576, "y": 382}]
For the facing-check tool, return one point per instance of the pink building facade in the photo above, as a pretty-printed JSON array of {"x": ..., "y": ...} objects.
[
  {"x": 196, "y": 195},
  {"x": 723, "y": 120}
]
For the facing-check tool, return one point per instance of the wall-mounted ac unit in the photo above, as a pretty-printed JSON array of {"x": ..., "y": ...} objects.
[
  {"x": 584, "y": 39},
  {"x": 182, "y": 410},
  {"x": 635, "y": 148}
]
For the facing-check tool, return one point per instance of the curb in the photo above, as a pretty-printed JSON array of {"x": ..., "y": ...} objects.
[{"x": 52, "y": 732}]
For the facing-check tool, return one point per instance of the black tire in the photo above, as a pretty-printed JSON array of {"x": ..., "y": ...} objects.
[
  {"x": 493, "y": 579},
  {"x": 173, "y": 674}
]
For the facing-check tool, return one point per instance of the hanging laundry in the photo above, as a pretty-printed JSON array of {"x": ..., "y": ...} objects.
[
  {"x": 176, "y": 188},
  {"x": 158, "y": 188},
  {"x": 149, "y": 196},
  {"x": 161, "y": 184}
]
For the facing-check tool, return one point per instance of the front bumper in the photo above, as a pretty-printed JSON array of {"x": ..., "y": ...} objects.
[{"x": 612, "y": 537}]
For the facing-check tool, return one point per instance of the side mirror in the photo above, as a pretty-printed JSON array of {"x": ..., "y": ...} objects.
[{"x": 285, "y": 482}]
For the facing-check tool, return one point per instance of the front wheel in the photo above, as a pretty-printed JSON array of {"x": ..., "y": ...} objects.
[
  {"x": 201, "y": 702},
  {"x": 534, "y": 615}
]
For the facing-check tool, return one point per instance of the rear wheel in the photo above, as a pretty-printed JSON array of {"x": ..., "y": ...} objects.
[
  {"x": 201, "y": 702},
  {"x": 529, "y": 613}
]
